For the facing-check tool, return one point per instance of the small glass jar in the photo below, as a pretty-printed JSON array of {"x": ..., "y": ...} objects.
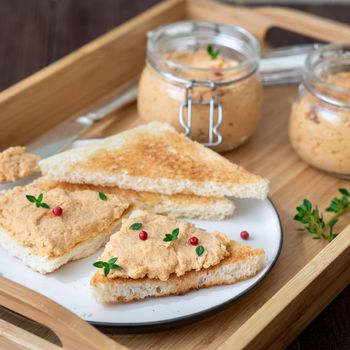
[
  {"x": 319, "y": 126},
  {"x": 214, "y": 98}
]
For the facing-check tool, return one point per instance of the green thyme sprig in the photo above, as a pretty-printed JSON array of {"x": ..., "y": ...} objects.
[
  {"x": 107, "y": 266},
  {"x": 102, "y": 196},
  {"x": 341, "y": 205},
  {"x": 213, "y": 53},
  {"x": 313, "y": 220},
  {"x": 199, "y": 250},
  {"x": 171, "y": 236},
  {"x": 135, "y": 226},
  {"x": 38, "y": 201}
]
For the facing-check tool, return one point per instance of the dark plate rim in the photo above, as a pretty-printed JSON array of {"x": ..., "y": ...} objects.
[{"x": 182, "y": 320}]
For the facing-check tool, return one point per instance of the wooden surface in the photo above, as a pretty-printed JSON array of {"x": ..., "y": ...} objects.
[
  {"x": 73, "y": 333},
  {"x": 79, "y": 78},
  {"x": 13, "y": 337},
  {"x": 283, "y": 169}
]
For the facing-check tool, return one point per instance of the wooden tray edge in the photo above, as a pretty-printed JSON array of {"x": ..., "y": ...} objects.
[
  {"x": 300, "y": 300},
  {"x": 259, "y": 328},
  {"x": 85, "y": 50}
]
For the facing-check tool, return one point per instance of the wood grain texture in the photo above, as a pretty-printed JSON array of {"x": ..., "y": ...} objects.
[
  {"x": 42, "y": 32},
  {"x": 74, "y": 333},
  {"x": 295, "y": 298},
  {"x": 26, "y": 43},
  {"x": 13, "y": 338},
  {"x": 288, "y": 175},
  {"x": 79, "y": 78},
  {"x": 308, "y": 25}
]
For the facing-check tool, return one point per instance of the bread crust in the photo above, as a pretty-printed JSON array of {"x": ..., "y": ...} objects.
[
  {"x": 244, "y": 262},
  {"x": 46, "y": 264}
]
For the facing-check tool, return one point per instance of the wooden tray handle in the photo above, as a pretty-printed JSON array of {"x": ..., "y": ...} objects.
[
  {"x": 15, "y": 338},
  {"x": 305, "y": 24},
  {"x": 74, "y": 333}
]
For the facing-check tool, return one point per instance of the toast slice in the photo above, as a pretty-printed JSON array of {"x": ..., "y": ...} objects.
[
  {"x": 155, "y": 268},
  {"x": 178, "y": 205},
  {"x": 155, "y": 158},
  {"x": 243, "y": 263},
  {"x": 45, "y": 241}
]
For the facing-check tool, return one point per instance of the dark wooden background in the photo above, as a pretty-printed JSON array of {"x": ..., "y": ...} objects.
[{"x": 35, "y": 33}]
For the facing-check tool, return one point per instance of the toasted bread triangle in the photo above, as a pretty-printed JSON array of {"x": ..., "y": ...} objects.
[
  {"x": 243, "y": 262},
  {"x": 44, "y": 241},
  {"x": 156, "y": 158},
  {"x": 155, "y": 267}
]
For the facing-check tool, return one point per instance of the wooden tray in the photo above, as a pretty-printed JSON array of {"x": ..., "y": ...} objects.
[{"x": 309, "y": 273}]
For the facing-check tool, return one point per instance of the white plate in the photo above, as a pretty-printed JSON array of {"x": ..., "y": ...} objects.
[{"x": 69, "y": 286}]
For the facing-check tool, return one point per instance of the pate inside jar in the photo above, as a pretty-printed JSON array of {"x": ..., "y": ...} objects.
[
  {"x": 319, "y": 125},
  {"x": 202, "y": 78}
]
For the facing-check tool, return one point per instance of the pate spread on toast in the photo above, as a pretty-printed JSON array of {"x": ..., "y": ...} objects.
[
  {"x": 15, "y": 164},
  {"x": 156, "y": 259},
  {"x": 84, "y": 216}
]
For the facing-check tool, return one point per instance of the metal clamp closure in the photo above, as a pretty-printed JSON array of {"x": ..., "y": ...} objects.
[{"x": 215, "y": 138}]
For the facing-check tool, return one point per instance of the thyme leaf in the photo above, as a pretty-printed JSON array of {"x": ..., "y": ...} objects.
[
  {"x": 38, "y": 201},
  {"x": 171, "y": 236},
  {"x": 107, "y": 265},
  {"x": 313, "y": 220},
  {"x": 213, "y": 53}
]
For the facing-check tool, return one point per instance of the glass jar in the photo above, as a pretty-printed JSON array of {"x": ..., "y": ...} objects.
[
  {"x": 202, "y": 78},
  {"x": 319, "y": 125}
]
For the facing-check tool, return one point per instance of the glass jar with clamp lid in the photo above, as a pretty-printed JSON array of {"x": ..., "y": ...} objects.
[{"x": 203, "y": 79}]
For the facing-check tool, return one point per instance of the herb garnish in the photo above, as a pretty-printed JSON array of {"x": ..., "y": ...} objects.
[
  {"x": 171, "y": 236},
  {"x": 213, "y": 53},
  {"x": 102, "y": 196},
  {"x": 135, "y": 226},
  {"x": 107, "y": 266},
  {"x": 38, "y": 201},
  {"x": 199, "y": 250},
  {"x": 314, "y": 221}
]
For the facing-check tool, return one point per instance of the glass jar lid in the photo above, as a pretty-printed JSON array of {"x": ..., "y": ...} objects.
[
  {"x": 321, "y": 68},
  {"x": 235, "y": 44}
]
